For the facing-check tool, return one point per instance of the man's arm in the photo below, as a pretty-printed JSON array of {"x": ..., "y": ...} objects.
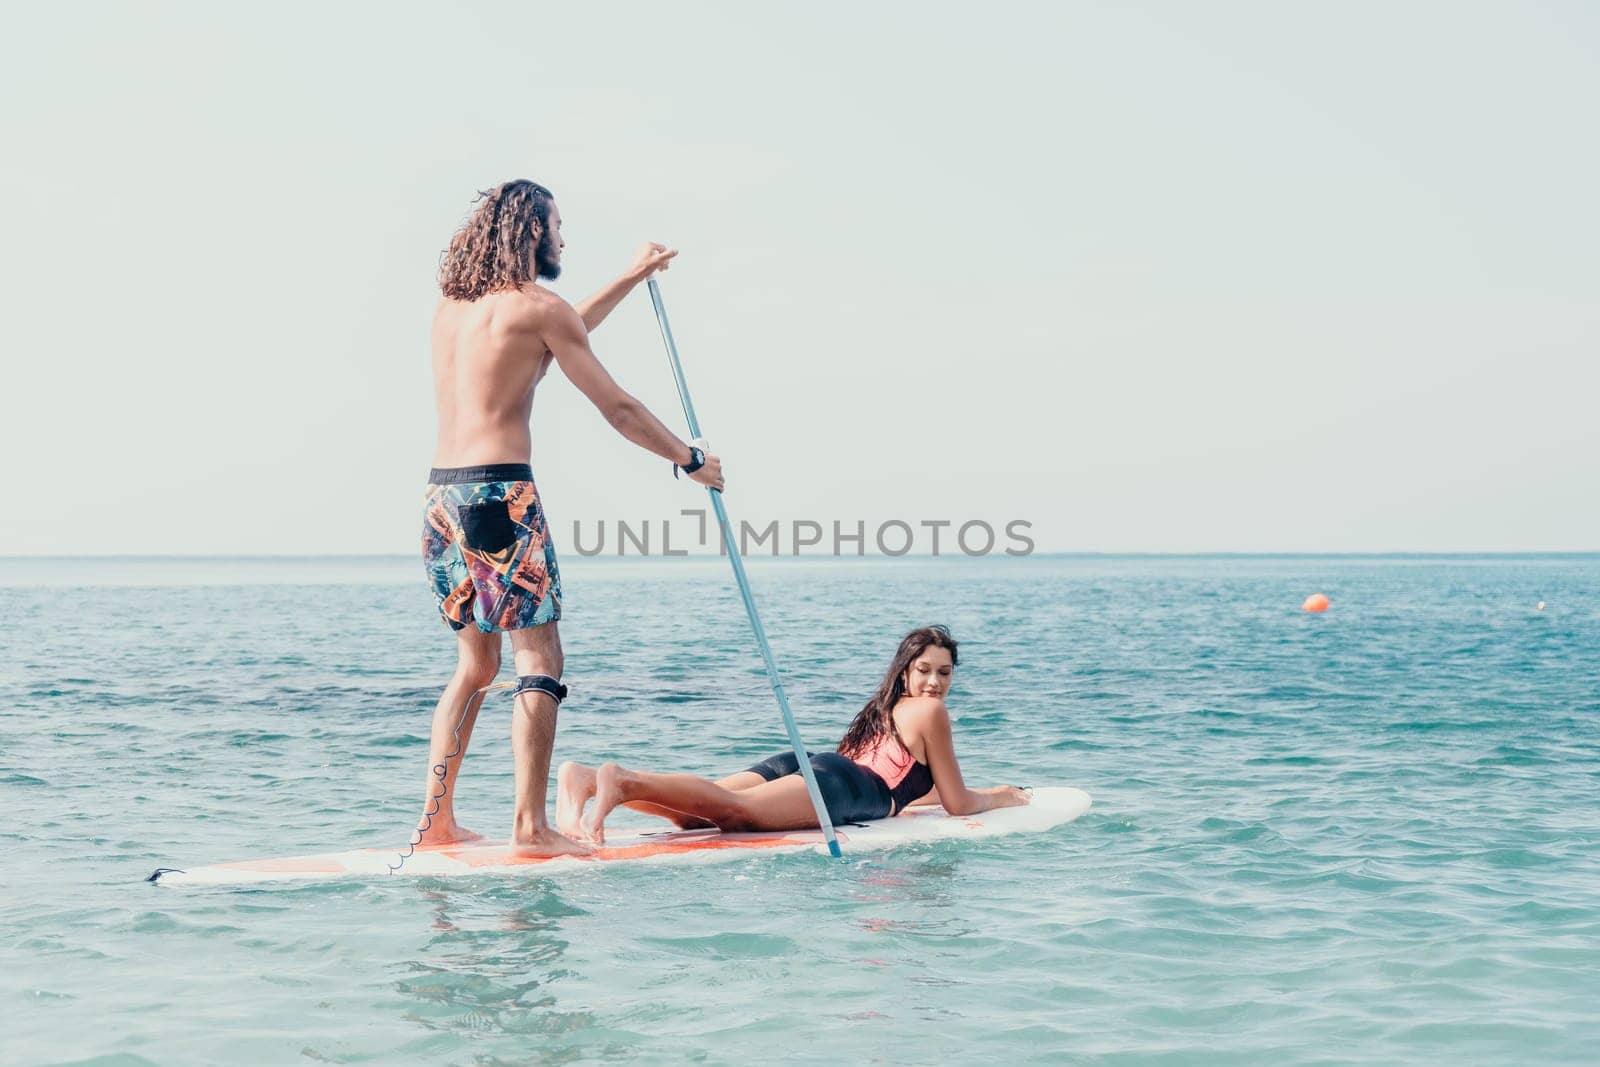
[
  {"x": 651, "y": 258},
  {"x": 568, "y": 341}
]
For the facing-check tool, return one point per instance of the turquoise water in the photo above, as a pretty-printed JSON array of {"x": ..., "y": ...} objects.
[{"x": 1366, "y": 837}]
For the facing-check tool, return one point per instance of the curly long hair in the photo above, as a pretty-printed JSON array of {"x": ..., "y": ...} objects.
[
  {"x": 877, "y": 718},
  {"x": 495, "y": 248}
]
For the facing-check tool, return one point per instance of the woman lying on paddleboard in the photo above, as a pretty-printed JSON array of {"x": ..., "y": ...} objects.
[{"x": 898, "y": 752}]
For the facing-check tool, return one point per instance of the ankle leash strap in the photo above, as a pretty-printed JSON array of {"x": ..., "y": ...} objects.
[{"x": 540, "y": 683}]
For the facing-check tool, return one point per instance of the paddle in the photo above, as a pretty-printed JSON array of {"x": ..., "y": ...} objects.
[{"x": 744, "y": 583}]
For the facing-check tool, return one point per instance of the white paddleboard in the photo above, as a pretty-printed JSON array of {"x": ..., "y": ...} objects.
[{"x": 1051, "y": 807}]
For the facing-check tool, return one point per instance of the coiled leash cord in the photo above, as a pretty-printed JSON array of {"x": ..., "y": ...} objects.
[{"x": 527, "y": 683}]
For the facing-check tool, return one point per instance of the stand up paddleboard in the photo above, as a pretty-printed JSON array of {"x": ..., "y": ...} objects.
[{"x": 1051, "y": 807}]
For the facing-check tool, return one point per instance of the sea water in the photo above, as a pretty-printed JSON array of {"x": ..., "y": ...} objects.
[{"x": 1369, "y": 836}]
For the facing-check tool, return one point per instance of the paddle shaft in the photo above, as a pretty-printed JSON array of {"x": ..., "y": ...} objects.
[{"x": 744, "y": 583}]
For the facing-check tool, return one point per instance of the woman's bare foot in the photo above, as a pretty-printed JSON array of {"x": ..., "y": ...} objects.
[
  {"x": 547, "y": 842},
  {"x": 445, "y": 835},
  {"x": 574, "y": 787},
  {"x": 608, "y": 785}
]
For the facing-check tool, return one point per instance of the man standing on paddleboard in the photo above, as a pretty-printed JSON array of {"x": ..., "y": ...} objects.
[{"x": 485, "y": 539}]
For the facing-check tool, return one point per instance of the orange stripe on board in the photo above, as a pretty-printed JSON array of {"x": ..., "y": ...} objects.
[{"x": 480, "y": 857}]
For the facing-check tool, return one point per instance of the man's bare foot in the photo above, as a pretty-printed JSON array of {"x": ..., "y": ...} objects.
[
  {"x": 574, "y": 787},
  {"x": 607, "y": 795},
  {"x": 445, "y": 835},
  {"x": 547, "y": 842}
]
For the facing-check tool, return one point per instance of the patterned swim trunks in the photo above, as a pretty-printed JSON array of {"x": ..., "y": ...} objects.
[{"x": 488, "y": 550}]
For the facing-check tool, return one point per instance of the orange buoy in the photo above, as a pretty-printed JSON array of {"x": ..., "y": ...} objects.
[{"x": 1315, "y": 602}]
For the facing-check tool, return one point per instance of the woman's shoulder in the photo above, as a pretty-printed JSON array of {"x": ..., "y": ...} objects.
[{"x": 920, "y": 711}]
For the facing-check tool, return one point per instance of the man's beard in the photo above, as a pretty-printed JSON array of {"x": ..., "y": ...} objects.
[{"x": 546, "y": 265}]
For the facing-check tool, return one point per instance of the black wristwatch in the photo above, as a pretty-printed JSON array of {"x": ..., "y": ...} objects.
[{"x": 697, "y": 459}]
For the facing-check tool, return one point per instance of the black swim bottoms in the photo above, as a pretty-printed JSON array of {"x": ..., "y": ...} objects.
[{"x": 850, "y": 792}]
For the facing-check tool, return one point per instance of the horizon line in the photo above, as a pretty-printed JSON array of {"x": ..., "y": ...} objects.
[{"x": 648, "y": 558}]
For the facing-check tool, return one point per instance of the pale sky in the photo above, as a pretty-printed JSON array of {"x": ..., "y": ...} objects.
[{"x": 1150, "y": 276}]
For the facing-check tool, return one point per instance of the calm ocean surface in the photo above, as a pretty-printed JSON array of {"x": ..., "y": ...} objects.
[{"x": 1371, "y": 836}]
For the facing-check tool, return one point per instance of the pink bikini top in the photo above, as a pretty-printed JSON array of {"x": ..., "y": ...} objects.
[{"x": 906, "y": 778}]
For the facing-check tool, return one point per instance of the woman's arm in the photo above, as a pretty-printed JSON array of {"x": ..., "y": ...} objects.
[
  {"x": 933, "y": 723},
  {"x": 931, "y": 798}
]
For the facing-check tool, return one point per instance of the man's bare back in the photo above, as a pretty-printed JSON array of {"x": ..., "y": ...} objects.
[{"x": 488, "y": 355}]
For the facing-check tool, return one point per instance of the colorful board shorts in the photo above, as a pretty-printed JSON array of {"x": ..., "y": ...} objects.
[{"x": 487, "y": 548}]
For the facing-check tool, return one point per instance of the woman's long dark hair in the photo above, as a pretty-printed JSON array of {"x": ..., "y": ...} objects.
[{"x": 877, "y": 718}]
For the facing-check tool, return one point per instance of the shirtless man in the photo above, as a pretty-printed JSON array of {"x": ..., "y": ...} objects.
[{"x": 485, "y": 540}]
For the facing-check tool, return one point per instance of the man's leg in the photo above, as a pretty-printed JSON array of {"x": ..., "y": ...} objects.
[
  {"x": 533, "y": 733},
  {"x": 477, "y": 663}
]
